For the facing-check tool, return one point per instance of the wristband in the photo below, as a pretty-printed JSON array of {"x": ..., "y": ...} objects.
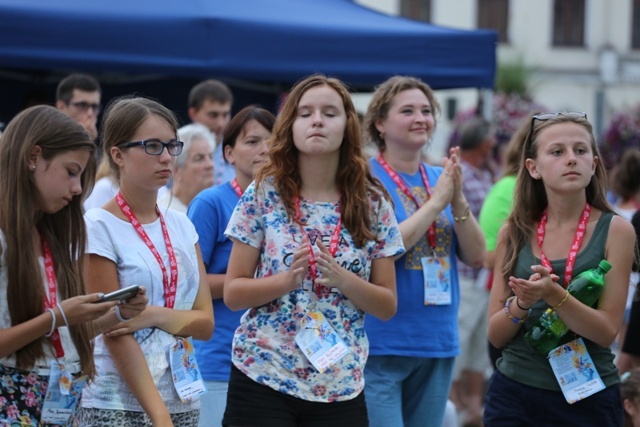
[
  {"x": 119, "y": 316},
  {"x": 521, "y": 307},
  {"x": 566, "y": 296},
  {"x": 63, "y": 315},
  {"x": 53, "y": 322},
  {"x": 464, "y": 217}
]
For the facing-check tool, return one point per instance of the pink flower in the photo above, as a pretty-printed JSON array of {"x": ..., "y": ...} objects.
[
  {"x": 30, "y": 399},
  {"x": 12, "y": 411}
]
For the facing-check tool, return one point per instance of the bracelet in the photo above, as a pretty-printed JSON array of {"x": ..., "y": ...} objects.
[
  {"x": 63, "y": 315},
  {"x": 53, "y": 322},
  {"x": 119, "y": 316},
  {"x": 511, "y": 317},
  {"x": 521, "y": 307},
  {"x": 464, "y": 217},
  {"x": 566, "y": 296}
]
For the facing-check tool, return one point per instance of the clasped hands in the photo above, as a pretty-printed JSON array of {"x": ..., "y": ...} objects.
[{"x": 539, "y": 285}]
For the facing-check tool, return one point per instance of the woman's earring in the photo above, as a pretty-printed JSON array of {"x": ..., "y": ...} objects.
[{"x": 33, "y": 168}]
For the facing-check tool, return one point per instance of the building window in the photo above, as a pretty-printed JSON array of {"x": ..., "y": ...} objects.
[
  {"x": 635, "y": 30},
  {"x": 419, "y": 10},
  {"x": 568, "y": 22},
  {"x": 494, "y": 15}
]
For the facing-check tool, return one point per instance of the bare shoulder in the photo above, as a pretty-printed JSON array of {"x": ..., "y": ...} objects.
[
  {"x": 503, "y": 232},
  {"x": 620, "y": 225},
  {"x": 621, "y": 233}
]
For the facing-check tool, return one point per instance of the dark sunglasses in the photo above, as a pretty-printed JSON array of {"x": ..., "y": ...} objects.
[
  {"x": 548, "y": 116},
  {"x": 155, "y": 147},
  {"x": 542, "y": 117}
]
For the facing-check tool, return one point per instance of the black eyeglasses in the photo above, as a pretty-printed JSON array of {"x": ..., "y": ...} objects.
[
  {"x": 84, "y": 106},
  {"x": 155, "y": 147}
]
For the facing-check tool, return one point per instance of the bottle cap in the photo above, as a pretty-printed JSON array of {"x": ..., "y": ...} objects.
[{"x": 604, "y": 265}]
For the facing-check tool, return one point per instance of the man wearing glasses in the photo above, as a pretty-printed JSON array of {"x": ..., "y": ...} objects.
[{"x": 78, "y": 96}]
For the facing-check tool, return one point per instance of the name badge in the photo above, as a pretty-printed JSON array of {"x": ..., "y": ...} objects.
[
  {"x": 186, "y": 375},
  {"x": 437, "y": 280},
  {"x": 63, "y": 395},
  {"x": 319, "y": 341},
  {"x": 574, "y": 370}
]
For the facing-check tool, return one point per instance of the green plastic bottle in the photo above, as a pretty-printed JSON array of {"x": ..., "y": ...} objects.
[{"x": 549, "y": 330}]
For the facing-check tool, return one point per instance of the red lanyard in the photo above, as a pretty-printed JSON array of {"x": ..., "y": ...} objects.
[
  {"x": 52, "y": 285},
  {"x": 236, "y": 187},
  {"x": 333, "y": 245},
  {"x": 577, "y": 241},
  {"x": 170, "y": 286},
  {"x": 431, "y": 231}
]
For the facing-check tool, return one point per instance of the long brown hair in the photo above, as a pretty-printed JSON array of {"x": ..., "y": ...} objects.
[
  {"x": 355, "y": 182},
  {"x": 530, "y": 197},
  {"x": 65, "y": 232}
]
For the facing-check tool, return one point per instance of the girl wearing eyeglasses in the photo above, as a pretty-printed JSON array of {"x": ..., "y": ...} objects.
[
  {"x": 560, "y": 226},
  {"x": 132, "y": 242}
]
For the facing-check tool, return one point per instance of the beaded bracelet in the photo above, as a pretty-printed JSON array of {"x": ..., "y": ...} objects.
[
  {"x": 566, "y": 296},
  {"x": 53, "y": 322},
  {"x": 507, "y": 311}
]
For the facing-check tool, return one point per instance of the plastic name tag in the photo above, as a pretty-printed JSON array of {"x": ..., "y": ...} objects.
[
  {"x": 63, "y": 395},
  {"x": 319, "y": 341},
  {"x": 574, "y": 370},
  {"x": 437, "y": 280},
  {"x": 186, "y": 375}
]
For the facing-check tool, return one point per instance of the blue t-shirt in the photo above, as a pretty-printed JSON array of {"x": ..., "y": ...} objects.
[
  {"x": 418, "y": 330},
  {"x": 210, "y": 212}
]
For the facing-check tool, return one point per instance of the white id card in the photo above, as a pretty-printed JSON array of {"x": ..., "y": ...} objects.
[
  {"x": 319, "y": 341},
  {"x": 63, "y": 395},
  {"x": 186, "y": 375},
  {"x": 574, "y": 370},
  {"x": 437, "y": 280}
]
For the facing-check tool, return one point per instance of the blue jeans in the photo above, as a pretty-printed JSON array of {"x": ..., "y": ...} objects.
[
  {"x": 212, "y": 403},
  {"x": 512, "y": 404},
  {"x": 407, "y": 391}
]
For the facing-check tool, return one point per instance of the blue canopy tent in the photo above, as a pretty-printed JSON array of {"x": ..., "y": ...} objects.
[{"x": 264, "y": 43}]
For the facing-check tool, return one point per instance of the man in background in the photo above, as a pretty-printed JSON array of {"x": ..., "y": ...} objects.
[
  {"x": 210, "y": 104},
  {"x": 78, "y": 96}
]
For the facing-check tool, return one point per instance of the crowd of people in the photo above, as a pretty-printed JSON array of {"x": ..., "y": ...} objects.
[{"x": 310, "y": 268}]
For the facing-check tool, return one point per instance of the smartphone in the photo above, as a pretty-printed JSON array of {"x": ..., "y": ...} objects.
[{"x": 120, "y": 295}]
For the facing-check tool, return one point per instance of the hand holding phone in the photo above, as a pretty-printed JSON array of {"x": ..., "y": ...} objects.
[{"x": 120, "y": 295}]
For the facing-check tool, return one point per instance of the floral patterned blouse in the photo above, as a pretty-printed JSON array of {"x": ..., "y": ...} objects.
[{"x": 264, "y": 346}]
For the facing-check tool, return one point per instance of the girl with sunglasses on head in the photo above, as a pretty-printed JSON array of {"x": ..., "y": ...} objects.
[
  {"x": 46, "y": 322},
  {"x": 560, "y": 226},
  {"x": 132, "y": 242},
  {"x": 313, "y": 244}
]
